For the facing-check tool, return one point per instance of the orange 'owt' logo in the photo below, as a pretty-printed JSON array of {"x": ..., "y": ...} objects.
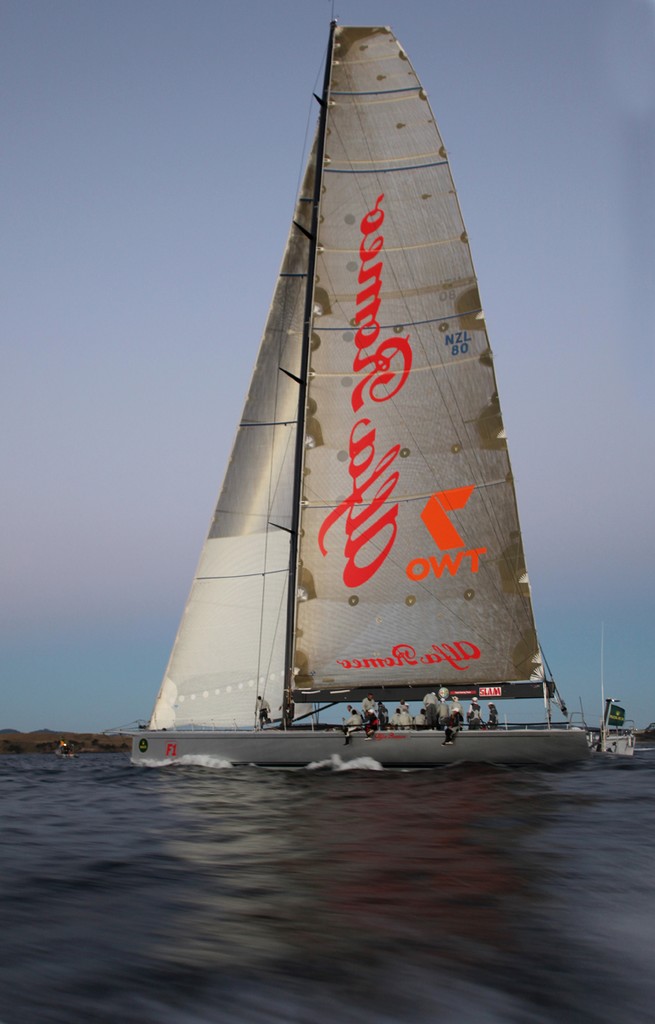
[{"x": 445, "y": 535}]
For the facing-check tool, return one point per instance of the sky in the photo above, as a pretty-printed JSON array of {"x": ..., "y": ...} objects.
[{"x": 152, "y": 154}]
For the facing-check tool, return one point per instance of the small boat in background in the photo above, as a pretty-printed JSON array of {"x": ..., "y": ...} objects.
[
  {"x": 614, "y": 735},
  {"x": 64, "y": 749}
]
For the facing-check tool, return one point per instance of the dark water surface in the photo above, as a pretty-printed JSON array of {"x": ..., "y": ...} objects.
[{"x": 200, "y": 895}]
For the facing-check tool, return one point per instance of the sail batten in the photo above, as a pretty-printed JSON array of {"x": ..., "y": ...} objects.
[
  {"x": 375, "y": 92},
  {"x": 383, "y": 170}
]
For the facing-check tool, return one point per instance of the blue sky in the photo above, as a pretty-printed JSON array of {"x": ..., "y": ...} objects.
[{"x": 153, "y": 150}]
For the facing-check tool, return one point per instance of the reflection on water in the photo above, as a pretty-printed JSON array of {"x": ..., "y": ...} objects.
[{"x": 200, "y": 895}]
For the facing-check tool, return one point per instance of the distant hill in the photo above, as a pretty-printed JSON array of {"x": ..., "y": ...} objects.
[
  {"x": 18, "y": 732},
  {"x": 45, "y": 741}
]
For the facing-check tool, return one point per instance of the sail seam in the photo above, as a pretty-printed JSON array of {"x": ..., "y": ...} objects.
[
  {"x": 332, "y": 250},
  {"x": 410, "y": 323},
  {"x": 485, "y": 485},
  {"x": 429, "y": 368}
]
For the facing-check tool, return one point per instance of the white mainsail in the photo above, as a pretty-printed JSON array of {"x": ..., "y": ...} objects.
[{"x": 411, "y": 564}]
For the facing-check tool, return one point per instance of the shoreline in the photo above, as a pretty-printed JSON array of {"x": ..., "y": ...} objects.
[{"x": 45, "y": 742}]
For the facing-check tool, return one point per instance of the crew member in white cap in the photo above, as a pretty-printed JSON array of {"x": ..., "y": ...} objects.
[{"x": 474, "y": 715}]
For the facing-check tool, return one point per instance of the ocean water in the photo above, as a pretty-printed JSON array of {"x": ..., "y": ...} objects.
[{"x": 206, "y": 894}]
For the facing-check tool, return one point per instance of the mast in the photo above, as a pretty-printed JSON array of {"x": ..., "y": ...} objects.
[{"x": 302, "y": 385}]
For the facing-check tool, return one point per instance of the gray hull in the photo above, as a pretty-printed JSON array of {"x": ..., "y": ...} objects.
[{"x": 297, "y": 748}]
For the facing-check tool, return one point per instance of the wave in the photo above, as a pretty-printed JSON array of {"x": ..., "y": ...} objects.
[
  {"x": 197, "y": 760},
  {"x": 334, "y": 763}
]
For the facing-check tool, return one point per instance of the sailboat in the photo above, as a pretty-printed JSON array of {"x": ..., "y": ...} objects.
[{"x": 366, "y": 538}]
